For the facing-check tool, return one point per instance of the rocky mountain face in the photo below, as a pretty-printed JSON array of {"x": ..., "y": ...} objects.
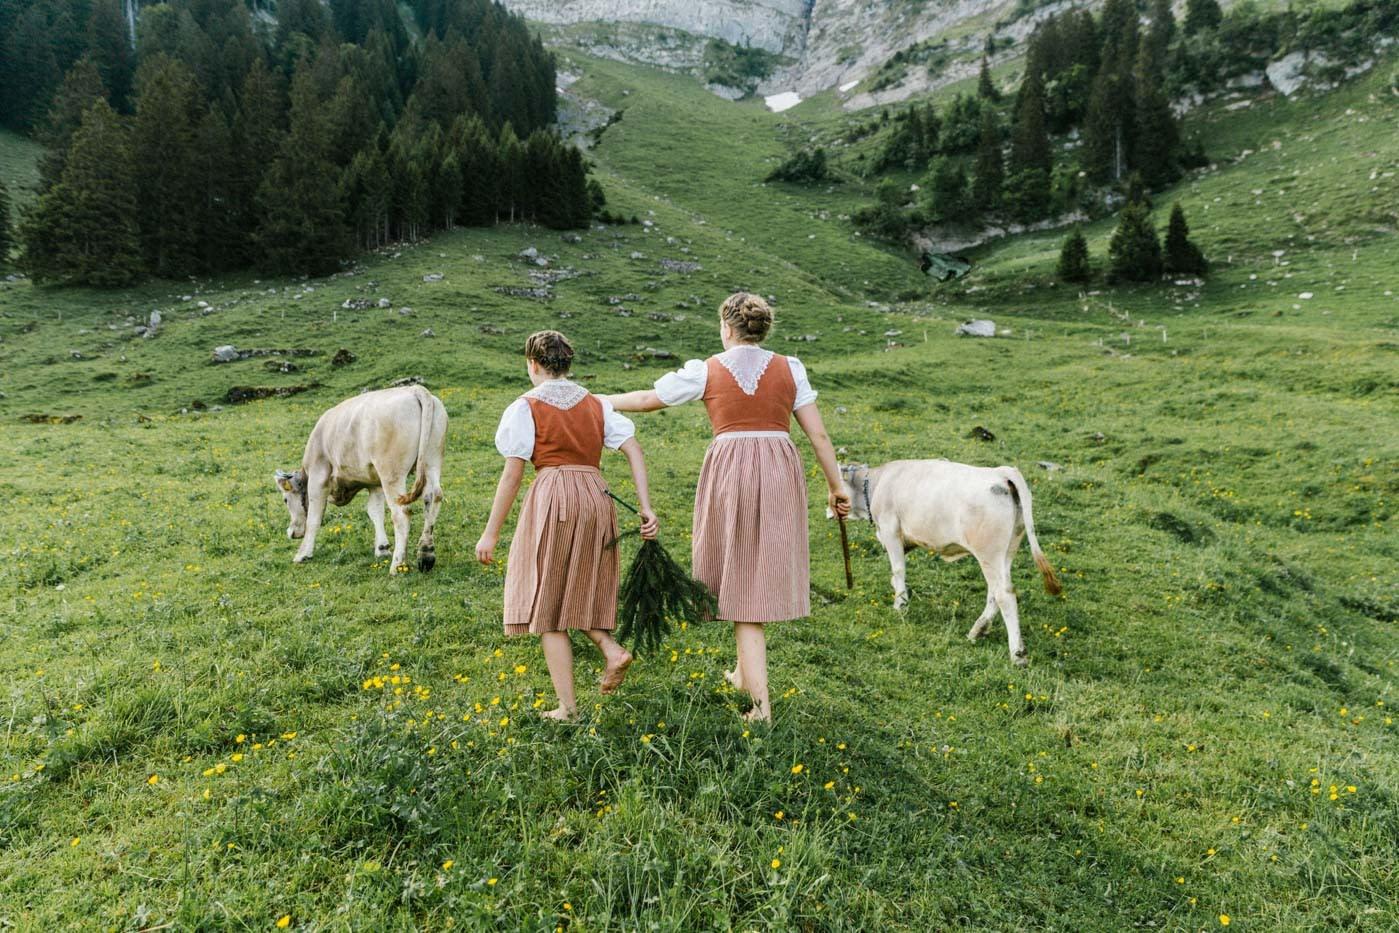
[{"x": 829, "y": 43}]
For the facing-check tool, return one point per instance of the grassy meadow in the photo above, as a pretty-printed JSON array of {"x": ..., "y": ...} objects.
[{"x": 200, "y": 735}]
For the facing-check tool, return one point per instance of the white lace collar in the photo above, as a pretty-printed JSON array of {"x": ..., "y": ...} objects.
[
  {"x": 746, "y": 363},
  {"x": 560, "y": 393}
]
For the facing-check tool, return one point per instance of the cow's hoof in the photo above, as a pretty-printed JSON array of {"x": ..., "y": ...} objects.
[
  {"x": 301, "y": 558},
  {"x": 901, "y": 604},
  {"x": 1020, "y": 659},
  {"x": 426, "y": 561},
  {"x": 382, "y": 551}
]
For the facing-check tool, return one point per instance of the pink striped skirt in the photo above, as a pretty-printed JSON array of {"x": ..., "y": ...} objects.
[
  {"x": 561, "y": 574},
  {"x": 750, "y": 537}
]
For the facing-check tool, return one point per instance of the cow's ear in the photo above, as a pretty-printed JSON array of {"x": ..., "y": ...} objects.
[
  {"x": 298, "y": 480},
  {"x": 285, "y": 484}
]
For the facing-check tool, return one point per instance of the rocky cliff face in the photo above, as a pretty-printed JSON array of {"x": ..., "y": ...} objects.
[
  {"x": 775, "y": 25},
  {"x": 832, "y": 43}
]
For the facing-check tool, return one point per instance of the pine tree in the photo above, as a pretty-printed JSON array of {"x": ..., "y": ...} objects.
[
  {"x": 303, "y": 227},
  {"x": 1073, "y": 259},
  {"x": 109, "y": 44},
  {"x": 1182, "y": 256},
  {"x": 1156, "y": 154},
  {"x": 1110, "y": 128},
  {"x": 219, "y": 232},
  {"x": 1031, "y": 159},
  {"x": 81, "y": 88},
  {"x": 1134, "y": 252},
  {"x": 83, "y": 229},
  {"x": 511, "y": 166},
  {"x": 169, "y": 183},
  {"x": 985, "y": 86},
  {"x": 29, "y": 69},
  {"x": 989, "y": 173},
  {"x": 946, "y": 191},
  {"x": 1156, "y": 43},
  {"x": 258, "y": 130},
  {"x": 7, "y": 242},
  {"x": 1202, "y": 16}
]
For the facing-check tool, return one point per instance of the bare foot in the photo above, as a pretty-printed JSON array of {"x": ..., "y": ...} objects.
[
  {"x": 615, "y": 672},
  {"x": 560, "y": 714},
  {"x": 733, "y": 678},
  {"x": 757, "y": 715}
]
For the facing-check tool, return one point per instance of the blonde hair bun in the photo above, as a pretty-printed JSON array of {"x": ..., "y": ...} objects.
[{"x": 749, "y": 316}]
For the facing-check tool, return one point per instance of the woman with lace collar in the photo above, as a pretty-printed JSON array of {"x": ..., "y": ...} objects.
[
  {"x": 562, "y": 571},
  {"x": 750, "y": 543}
]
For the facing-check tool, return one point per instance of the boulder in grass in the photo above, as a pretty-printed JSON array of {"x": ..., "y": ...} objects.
[
  {"x": 225, "y": 354},
  {"x": 342, "y": 357},
  {"x": 433, "y": 277},
  {"x": 977, "y": 328}
]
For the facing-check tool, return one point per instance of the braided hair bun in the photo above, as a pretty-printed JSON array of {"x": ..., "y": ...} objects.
[
  {"x": 748, "y": 315},
  {"x": 551, "y": 351}
]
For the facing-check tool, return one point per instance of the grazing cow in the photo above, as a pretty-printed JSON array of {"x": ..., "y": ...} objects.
[
  {"x": 372, "y": 441},
  {"x": 953, "y": 510}
]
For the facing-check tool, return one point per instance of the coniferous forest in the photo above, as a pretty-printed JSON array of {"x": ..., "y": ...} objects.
[{"x": 218, "y": 137}]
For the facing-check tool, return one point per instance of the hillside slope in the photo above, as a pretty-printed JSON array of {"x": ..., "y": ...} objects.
[{"x": 201, "y": 734}]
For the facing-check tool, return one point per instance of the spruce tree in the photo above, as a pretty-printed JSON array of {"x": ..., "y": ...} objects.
[
  {"x": 946, "y": 191},
  {"x": 1031, "y": 159},
  {"x": 1202, "y": 16},
  {"x": 1157, "y": 146},
  {"x": 989, "y": 173},
  {"x": 109, "y": 45},
  {"x": 1073, "y": 259},
  {"x": 1182, "y": 256},
  {"x": 985, "y": 86},
  {"x": 1134, "y": 252},
  {"x": 303, "y": 227},
  {"x": 29, "y": 69},
  {"x": 83, "y": 229},
  {"x": 1111, "y": 123},
  {"x": 1156, "y": 42},
  {"x": 169, "y": 183},
  {"x": 82, "y": 87}
]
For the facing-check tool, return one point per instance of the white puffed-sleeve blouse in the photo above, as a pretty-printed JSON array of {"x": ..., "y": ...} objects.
[
  {"x": 515, "y": 436},
  {"x": 747, "y": 363}
]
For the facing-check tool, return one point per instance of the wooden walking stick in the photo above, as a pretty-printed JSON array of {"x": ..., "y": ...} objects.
[{"x": 845, "y": 549}]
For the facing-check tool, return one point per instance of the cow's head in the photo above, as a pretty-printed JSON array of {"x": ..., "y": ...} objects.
[
  {"x": 292, "y": 487},
  {"x": 855, "y": 477}
]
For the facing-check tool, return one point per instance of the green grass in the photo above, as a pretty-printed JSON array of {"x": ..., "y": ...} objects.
[
  {"x": 18, "y": 158},
  {"x": 1223, "y": 522}
]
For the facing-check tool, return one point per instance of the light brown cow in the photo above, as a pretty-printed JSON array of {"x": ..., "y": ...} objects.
[
  {"x": 953, "y": 510},
  {"x": 372, "y": 441}
]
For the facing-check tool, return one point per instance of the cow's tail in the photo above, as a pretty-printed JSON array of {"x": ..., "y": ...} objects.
[
  {"x": 432, "y": 428},
  {"x": 1020, "y": 490}
]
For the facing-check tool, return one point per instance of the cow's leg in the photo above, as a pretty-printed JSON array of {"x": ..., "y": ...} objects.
[
  {"x": 399, "y": 515},
  {"x": 892, "y": 538},
  {"x": 432, "y": 504},
  {"x": 983, "y": 621},
  {"x": 315, "y": 511},
  {"x": 996, "y": 569},
  {"x": 375, "y": 508}
]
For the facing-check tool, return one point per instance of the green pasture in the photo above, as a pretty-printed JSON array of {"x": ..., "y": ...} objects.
[{"x": 200, "y": 735}]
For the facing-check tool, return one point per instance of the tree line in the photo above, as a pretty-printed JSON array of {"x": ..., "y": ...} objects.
[{"x": 220, "y": 143}]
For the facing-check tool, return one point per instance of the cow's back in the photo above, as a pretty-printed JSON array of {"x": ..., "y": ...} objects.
[
  {"x": 940, "y": 502},
  {"x": 376, "y": 427}
]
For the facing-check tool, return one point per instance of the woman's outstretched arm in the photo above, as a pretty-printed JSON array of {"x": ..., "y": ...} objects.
[
  {"x": 650, "y": 525},
  {"x": 809, "y": 417},
  {"x": 640, "y": 400},
  {"x": 505, "y": 493}
]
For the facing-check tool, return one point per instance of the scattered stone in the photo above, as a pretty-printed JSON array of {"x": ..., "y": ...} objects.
[
  {"x": 841, "y": 410},
  {"x": 50, "y": 419},
  {"x": 240, "y": 394},
  {"x": 571, "y": 238},
  {"x": 1048, "y": 466},
  {"x": 225, "y": 354},
  {"x": 977, "y": 328},
  {"x": 433, "y": 277},
  {"x": 529, "y": 252},
  {"x": 404, "y": 312},
  {"x": 981, "y": 434},
  {"x": 1098, "y": 437},
  {"x": 540, "y": 293},
  {"x": 651, "y": 353},
  {"x": 385, "y": 303},
  {"x": 680, "y": 265},
  {"x": 893, "y": 333},
  {"x": 492, "y": 329},
  {"x": 230, "y": 353},
  {"x": 281, "y": 366},
  {"x": 660, "y": 317},
  {"x": 638, "y": 255},
  {"x": 342, "y": 357},
  {"x": 427, "y": 332}
]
